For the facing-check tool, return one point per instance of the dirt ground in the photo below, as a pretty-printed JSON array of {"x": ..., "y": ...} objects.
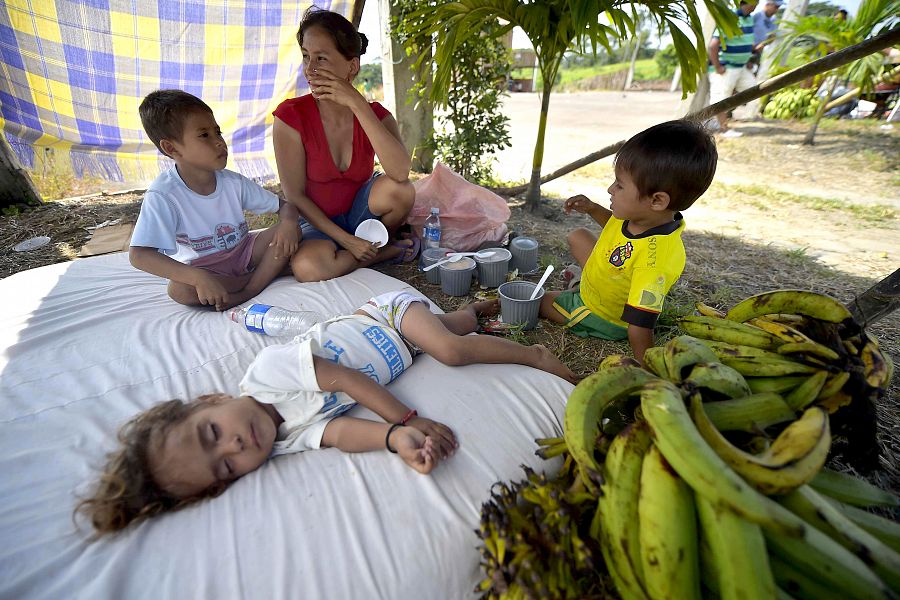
[{"x": 780, "y": 215}]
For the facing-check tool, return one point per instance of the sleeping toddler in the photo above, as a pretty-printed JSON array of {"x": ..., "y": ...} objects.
[{"x": 295, "y": 397}]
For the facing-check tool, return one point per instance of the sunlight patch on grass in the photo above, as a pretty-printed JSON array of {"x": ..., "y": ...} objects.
[{"x": 754, "y": 194}]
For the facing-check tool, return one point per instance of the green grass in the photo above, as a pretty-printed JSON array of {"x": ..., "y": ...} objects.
[
  {"x": 643, "y": 70},
  {"x": 870, "y": 213}
]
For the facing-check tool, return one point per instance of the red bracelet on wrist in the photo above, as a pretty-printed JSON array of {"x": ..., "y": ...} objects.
[{"x": 409, "y": 416}]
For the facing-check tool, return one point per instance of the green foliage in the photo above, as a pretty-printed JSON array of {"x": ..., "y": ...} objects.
[
  {"x": 474, "y": 126},
  {"x": 554, "y": 27},
  {"x": 792, "y": 103},
  {"x": 370, "y": 75},
  {"x": 666, "y": 61},
  {"x": 821, "y": 9}
]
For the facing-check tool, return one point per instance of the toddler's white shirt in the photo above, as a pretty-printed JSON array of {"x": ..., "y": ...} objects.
[
  {"x": 284, "y": 375},
  {"x": 185, "y": 225}
]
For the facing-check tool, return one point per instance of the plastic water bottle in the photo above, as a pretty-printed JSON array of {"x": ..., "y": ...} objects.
[
  {"x": 432, "y": 230},
  {"x": 272, "y": 320}
]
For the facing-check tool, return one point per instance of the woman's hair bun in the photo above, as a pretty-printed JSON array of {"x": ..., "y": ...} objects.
[{"x": 363, "y": 43}]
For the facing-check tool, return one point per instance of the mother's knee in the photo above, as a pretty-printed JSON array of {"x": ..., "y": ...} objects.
[
  {"x": 392, "y": 195},
  {"x": 313, "y": 266}
]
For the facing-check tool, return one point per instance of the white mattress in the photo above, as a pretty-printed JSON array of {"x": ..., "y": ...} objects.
[{"x": 87, "y": 344}]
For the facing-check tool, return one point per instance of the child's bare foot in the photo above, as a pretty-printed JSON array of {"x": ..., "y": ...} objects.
[
  {"x": 547, "y": 361},
  {"x": 416, "y": 449},
  {"x": 485, "y": 308}
]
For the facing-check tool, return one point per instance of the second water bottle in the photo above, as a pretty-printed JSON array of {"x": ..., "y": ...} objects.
[{"x": 275, "y": 321}]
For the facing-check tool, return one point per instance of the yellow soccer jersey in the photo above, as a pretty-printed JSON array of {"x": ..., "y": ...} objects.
[{"x": 626, "y": 277}]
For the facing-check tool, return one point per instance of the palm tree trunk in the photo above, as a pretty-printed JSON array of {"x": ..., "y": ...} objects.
[
  {"x": 809, "y": 140},
  {"x": 533, "y": 196},
  {"x": 629, "y": 78}
]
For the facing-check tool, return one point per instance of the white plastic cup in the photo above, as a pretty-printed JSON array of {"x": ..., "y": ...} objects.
[
  {"x": 524, "y": 252},
  {"x": 492, "y": 268},
  {"x": 456, "y": 276},
  {"x": 516, "y": 307}
]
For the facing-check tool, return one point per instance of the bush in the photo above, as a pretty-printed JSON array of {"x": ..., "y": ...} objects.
[{"x": 666, "y": 61}]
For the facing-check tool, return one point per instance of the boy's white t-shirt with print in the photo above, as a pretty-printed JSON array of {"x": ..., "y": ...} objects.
[
  {"x": 284, "y": 375},
  {"x": 186, "y": 225}
]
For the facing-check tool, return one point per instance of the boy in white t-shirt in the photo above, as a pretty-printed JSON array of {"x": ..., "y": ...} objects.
[
  {"x": 294, "y": 398},
  {"x": 191, "y": 229}
]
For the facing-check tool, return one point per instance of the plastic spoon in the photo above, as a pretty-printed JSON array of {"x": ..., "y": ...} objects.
[
  {"x": 541, "y": 282},
  {"x": 455, "y": 256},
  {"x": 451, "y": 258}
]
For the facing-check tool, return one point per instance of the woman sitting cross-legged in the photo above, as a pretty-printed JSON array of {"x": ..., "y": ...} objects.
[{"x": 325, "y": 147}]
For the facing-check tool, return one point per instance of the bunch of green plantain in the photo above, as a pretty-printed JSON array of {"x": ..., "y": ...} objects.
[
  {"x": 807, "y": 348},
  {"x": 792, "y": 103},
  {"x": 702, "y": 474}
]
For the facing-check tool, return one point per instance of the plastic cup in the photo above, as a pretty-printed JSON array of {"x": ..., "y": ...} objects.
[
  {"x": 524, "y": 252},
  {"x": 515, "y": 306},
  {"x": 456, "y": 277},
  {"x": 374, "y": 231},
  {"x": 430, "y": 256},
  {"x": 492, "y": 269}
]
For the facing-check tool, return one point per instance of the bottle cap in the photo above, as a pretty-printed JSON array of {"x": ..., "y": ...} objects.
[{"x": 435, "y": 210}]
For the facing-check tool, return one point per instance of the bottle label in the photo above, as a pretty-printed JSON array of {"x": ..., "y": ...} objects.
[
  {"x": 432, "y": 234},
  {"x": 254, "y": 319}
]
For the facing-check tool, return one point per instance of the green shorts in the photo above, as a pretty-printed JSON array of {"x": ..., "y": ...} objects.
[{"x": 582, "y": 322}]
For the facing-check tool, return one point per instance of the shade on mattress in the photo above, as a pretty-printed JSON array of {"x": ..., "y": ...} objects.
[{"x": 87, "y": 344}]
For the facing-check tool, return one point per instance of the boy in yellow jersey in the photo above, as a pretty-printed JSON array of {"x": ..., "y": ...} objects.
[{"x": 639, "y": 254}]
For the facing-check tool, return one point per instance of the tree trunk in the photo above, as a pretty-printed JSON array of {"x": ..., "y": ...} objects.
[
  {"x": 629, "y": 78},
  {"x": 533, "y": 197},
  {"x": 16, "y": 186},
  {"x": 809, "y": 140}
]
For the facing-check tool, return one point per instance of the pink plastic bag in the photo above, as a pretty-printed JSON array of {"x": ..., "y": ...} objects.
[{"x": 470, "y": 214}]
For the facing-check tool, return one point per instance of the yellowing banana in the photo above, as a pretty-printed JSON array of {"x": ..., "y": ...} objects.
[
  {"x": 724, "y": 330},
  {"x": 591, "y": 396},
  {"x": 708, "y": 311},
  {"x": 795, "y": 302},
  {"x": 752, "y": 413},
  {"x": 618, "y": 360},
  {"x": 793, "y": 459},
  {"x": 834, "y": 384},
  {"x": 875, "y": 368},
  {"x": 809, "y": 347},
  {"x": 737, "y": 553},
  {"x": 781, "y": 330},
  {"x": 799, "y": 583},
  {"x": 668, "y": 531},
  {"x": 692, "y": 458}
]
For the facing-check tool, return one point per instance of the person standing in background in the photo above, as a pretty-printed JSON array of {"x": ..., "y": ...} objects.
[{"x": 728, "y": 57}]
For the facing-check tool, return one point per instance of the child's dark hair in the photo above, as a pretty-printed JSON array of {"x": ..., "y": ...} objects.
[
  {"x": 349, "y": 42},
  {"x": 677, "y": 157},
  {"x": 163, "y": 113},
  {"x": 127, "y": 492}
]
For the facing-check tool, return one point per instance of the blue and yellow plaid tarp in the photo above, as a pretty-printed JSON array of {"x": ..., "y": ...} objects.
[{"x": 75, "y": 71}]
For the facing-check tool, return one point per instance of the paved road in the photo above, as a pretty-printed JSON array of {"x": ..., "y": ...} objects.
[{"x": 577, "y": 124}]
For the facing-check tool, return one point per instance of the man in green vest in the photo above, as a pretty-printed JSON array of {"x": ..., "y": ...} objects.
[{"x": 728, "y": 57}]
